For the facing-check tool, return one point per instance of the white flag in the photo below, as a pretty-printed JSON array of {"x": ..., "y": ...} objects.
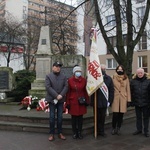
[{"x": 94, "y": 74}]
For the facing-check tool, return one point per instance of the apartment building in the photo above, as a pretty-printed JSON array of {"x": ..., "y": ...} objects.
[
  {"x": 44, "y": 12},
  {"x": 141, "y": 57},
  {"x": 57, "y": 16}
]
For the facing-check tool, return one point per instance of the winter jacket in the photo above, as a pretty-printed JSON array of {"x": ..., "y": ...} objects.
[
  {"x": 122, "y": 93},
  {"x": 101, "y": 99},
  {"x": 55, "y": 85},
  {"x": 77, "y": 88},
  {"x": 140, "y": 90}
]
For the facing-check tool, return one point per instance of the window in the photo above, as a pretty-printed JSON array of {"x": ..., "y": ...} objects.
[
  {"x": 113, "y": 41},
  {"x": 140, "y": 12},
  {"x": 111, "y": 63},
  {"x": 110, "y": 20},
  {"x": 142, "y": 62},
  {"x": 143, "y": 42},
  {"x": 140, "y": 1}
]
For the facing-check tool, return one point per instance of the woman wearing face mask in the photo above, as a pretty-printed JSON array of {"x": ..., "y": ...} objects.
[
  {"x": 77, "y": 88},
  {"x": 122, "y": 98}
]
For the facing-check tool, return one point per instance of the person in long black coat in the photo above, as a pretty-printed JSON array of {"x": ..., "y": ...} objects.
[
  {"x": 102, "y": 102},
  {"x": 140, "y": 95}
]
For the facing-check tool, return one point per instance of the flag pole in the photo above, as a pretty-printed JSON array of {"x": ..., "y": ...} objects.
[{"x": 95, "y": 115}]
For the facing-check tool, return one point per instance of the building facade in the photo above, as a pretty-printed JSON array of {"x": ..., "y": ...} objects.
[
  {"x": 43, "y": 12},
  {"x": 141, "y": 57}
]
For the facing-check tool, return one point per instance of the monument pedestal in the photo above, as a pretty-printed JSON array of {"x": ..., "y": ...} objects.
[{"x": 45, "y": 59}]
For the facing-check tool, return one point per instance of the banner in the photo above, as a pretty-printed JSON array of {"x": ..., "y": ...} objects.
[{"x": 94, "y": 74}]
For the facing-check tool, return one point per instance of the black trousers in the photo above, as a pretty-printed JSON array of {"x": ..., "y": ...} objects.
[
  {"x": 117, "y": 119},
  {"x": 77, "y": 122},
  {"x": 142, "y": 118},
  {"x": 101, "y": 114}
]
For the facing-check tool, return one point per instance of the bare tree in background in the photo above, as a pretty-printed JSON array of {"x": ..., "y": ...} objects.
[
  {"x": 11, "y": 32},
  {"x": 32, "y": 40},
  {"x": 123, "y": 12},
  {"x": 63, "y": 29}
]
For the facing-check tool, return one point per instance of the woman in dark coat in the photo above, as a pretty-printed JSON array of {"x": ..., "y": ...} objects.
[{"x": 77, "y": 88}]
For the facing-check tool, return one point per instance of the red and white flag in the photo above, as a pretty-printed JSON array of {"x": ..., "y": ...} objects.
[{"x": 94, "y": 74}]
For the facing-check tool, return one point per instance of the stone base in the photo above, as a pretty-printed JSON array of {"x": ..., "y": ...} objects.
[{"x": 6, "y": 100}]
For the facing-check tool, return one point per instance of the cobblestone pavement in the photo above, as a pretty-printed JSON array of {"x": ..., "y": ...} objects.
[{"x": 10, "y": 140}]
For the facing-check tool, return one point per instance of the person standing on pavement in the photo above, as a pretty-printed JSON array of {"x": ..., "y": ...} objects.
[
  {"x": 77, "y": 88},
  {"x": 56, "y": 87},
  {"x": 122, "y": 97},
  {"x": 140, "y": 93},
  {"x": 103, "y": 101}
]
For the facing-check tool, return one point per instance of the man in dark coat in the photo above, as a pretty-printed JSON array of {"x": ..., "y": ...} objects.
[
  {"x": 102, "y": 102},
  {"x": 140, "y": 95},
  {"x": 56, "y": 87}
]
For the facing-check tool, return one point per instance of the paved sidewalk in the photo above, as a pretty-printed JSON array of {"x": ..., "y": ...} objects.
[
  {"x": 36, "y": 141},
  {"x": 12, "y": 140}
]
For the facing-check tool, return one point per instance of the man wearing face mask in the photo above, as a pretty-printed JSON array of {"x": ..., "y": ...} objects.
[
  {"x": 103, "y": 102},
  {"x": 56, "y": 86},
  {"x": 77, "y": 88}
]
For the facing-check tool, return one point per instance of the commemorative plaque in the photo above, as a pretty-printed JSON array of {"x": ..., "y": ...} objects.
[
  {"x": 67, "y": 71},
  {"x": 4, "y": 80}
]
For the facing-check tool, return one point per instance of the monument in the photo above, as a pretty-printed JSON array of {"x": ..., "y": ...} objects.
[
  {"x": 6, "y": 83},
  {"x": 45, "y": 59}
]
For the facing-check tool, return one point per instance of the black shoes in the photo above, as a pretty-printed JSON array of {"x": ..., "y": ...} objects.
[
  {"x": 118, "y": 131},
  {"x": 80, "y": 136},
  {"x": 102, "y": 134},
  {"x": 146, "y": 134},
  {"x": 113, "y": 132},
  {"x": 75, "y": 136},
  {"x": 137, "y": 132}
]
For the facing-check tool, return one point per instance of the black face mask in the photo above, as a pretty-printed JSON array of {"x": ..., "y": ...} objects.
[
  {"x": 103, "y": 72},
  {"x": 57, "y": 73},
  {"x": 120, "y": 72}
]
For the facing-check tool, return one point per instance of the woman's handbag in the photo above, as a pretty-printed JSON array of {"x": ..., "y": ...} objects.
[{"x": 82, "y": 100}]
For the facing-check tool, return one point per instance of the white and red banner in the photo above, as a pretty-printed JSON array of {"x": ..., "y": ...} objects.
[{"x": 94, "y": 74}]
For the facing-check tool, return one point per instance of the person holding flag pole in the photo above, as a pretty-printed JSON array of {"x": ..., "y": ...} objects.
[
  {"x": 94, "y": 74},
  {"x": 105, "y": 96}
]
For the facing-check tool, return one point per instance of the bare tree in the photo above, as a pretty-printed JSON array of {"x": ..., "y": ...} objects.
[
  {"x": 10, "y": 35},
  {"x": 32, "y": 40},
  {"x": 63, "y": 28},
  {"x": 122, "y": 7}
]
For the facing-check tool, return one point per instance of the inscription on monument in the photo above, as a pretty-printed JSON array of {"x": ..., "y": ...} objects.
[
  {"x": 43, "y": 42},
  {"x": 67, "y": 71},
  {"x": 4, "y": 78}
]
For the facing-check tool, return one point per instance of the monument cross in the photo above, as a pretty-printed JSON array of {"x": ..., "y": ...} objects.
[{"x": 45, "y": 12}]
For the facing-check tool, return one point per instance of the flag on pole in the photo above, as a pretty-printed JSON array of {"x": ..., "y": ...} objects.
[{"x": 94, "y": 74}]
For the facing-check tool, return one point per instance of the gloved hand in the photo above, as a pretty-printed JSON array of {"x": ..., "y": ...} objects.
[
  {"x": 68, "y": 106},
  {"x": 86, "y": 104},
  {"x": 128, "y": 104},
  {"x": 132, "y": 104}
]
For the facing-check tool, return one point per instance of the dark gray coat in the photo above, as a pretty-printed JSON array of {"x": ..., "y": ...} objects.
[{"x": 55, "y": 85}]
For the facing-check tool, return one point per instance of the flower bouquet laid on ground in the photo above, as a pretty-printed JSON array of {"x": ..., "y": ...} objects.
[{"x": 29, "y": 102}]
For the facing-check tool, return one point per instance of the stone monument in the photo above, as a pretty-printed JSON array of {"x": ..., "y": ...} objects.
[
  {"x": 45, "y": 59},
  {"x": 6, "y": 83}
]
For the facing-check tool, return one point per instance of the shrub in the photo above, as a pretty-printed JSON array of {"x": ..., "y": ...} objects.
[{"x": 23, "y": 80}]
